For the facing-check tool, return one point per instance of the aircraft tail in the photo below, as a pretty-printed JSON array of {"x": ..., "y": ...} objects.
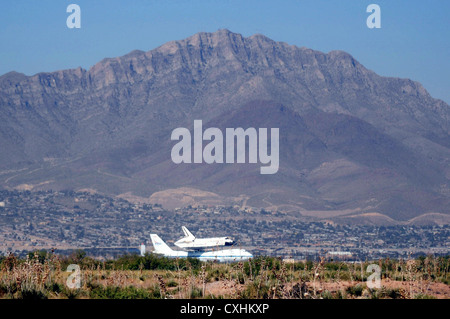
[
  {"x": 159, "y": 245},
  {"x": 187, "y": 233}
]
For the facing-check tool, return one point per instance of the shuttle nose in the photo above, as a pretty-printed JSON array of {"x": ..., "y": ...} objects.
[{"x": 229, "y": 241}]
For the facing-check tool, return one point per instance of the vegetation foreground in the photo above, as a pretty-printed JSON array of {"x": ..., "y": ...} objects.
[{"x": 44, "y": 275}]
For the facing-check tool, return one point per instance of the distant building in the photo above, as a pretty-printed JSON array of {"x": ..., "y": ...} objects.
[{"x": 340, "y": 254}]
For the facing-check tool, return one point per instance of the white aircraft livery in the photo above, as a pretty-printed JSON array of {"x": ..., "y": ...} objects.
[
  {"x": 189, "y": 241},
  {"x": 225, "y": 255}
]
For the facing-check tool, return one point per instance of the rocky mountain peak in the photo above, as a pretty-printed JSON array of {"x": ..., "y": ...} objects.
[{"x": 351, "y": 140}]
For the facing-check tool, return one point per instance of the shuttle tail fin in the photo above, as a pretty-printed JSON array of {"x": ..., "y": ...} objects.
[
  {"x": 187, "y": 233},
  {"x": 159, "y": 245}
]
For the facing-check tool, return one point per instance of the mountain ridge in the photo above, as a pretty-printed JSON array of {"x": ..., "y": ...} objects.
[{"x": 107, "y": 127}]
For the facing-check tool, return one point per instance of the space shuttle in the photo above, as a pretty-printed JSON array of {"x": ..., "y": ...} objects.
[
  {"x": 225, "y": 255},
  {"x": 190, "y": 242}
]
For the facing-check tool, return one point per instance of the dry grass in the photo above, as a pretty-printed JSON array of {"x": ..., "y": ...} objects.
[{"x": 38, "y": 278}]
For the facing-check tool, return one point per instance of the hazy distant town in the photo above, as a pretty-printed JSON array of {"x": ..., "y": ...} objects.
[{"x": 105, "y": 226}]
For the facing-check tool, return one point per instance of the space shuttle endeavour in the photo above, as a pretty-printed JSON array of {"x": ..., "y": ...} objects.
[
  {"x": 221, "y": 255},
  {"x": 190, "y": 242}
]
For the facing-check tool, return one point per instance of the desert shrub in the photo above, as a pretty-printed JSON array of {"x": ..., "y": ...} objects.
[
  {"x": 41, "y": 255},
  {"x": 298, "y": 265},
  {"x": 153, "y": 262},
  {"x": 355, "y": 290},
  {"x": 3, "y": 290},
  {"x": 336, "y": 266},
  {"x": 32, "y": 294},
  {"x": 72, "y": 293},
  {"x": 261, "y": 262},
  {"x": 115, "y": 292},
  {"x": 172, "y": 283},
  {"x": 385, "y": 293},
  {"x": 424, "y": 296},
  {"x": 340, "y": 295},
  {"x": 54, "y": 287},
  {"x": 216, "y": 274},
  {"x": 344, "y": 275},
  {"x": 196, "y": 293},
  {"x": 394, "y": 293},
  {"x": 256, "y": 290},
  {"x": 326, "y": 295}
]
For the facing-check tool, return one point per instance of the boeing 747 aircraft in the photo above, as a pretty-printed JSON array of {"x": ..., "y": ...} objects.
[{"x": 225, "y": 255}]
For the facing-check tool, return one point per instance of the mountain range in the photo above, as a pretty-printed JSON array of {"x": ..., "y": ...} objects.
[{"x": 352, "y": 143}]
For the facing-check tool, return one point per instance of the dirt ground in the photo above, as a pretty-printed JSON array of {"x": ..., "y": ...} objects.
[{"x": 405, "y": 288}]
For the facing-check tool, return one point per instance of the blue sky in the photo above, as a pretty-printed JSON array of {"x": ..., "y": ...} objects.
[{"x": 413, "y": 42}]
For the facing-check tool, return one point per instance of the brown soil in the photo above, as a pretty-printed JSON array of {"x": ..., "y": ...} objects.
[{"x": 405, "y": 288}]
